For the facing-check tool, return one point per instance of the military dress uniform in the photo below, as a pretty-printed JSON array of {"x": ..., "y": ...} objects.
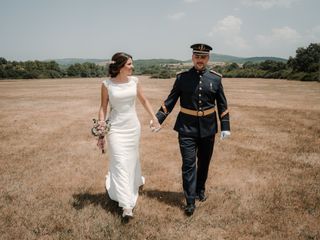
[{"x": 201, "y": 95}]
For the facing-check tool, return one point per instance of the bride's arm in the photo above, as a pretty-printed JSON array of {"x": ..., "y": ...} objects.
[
  {"x": 102, "y": 114},
  {"x": 104, "y": 103},
  {"x": 147, "y": 106}
]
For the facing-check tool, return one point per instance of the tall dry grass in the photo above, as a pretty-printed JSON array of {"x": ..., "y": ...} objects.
[{"x": 263, "y": 181}]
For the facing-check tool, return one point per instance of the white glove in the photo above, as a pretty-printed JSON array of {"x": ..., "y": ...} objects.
[
  {"x": 225, "y": 134},
  {"x": 153, "y": 129}
]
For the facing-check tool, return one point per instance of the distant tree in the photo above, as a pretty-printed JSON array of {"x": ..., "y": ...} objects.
[
  {"x": 272, "y": 66},
  {"x": 232, "y": 66},
  {"x": 3, "y": 61},
  {"x": 74, "y": 70},
  {"x": 248, "y": 65},
  {"x": 52, "y": 65},
  {"x": 3, "y": 73},
  {"x": 306, "y": 59},
  {"x": 30, "y": 65},
  {"x": 85, "y": 70}
]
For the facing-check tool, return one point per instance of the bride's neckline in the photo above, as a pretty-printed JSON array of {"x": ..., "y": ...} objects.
[{"x": 119, "y": 83}]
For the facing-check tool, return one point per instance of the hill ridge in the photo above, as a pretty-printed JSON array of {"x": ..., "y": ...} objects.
[{"x": 215, "y": 57}]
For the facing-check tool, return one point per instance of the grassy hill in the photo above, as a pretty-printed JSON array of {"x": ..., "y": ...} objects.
[
  {"x": 70, "y": 61},
  {"x": 146, "y": 62},
  {"x": 229, "y": 58}
]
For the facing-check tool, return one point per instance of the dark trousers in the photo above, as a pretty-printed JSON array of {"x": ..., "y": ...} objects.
[{"x": 196, "y": 155}]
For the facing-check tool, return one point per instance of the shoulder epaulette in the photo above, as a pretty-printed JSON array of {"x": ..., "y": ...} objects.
[
  {"x": 179, "y": 73},
  {"x": 214, "y": 72}
]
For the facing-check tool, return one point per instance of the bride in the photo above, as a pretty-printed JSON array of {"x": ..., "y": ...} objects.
[{"x": 119, "y": 92}]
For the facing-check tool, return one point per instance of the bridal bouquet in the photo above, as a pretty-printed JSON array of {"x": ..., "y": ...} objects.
[{"x": 100, "y": 129}]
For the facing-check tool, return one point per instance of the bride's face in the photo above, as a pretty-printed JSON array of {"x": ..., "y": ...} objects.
[{"x": 127, "y": 68}]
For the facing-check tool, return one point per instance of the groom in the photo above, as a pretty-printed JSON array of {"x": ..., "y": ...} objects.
[{"x": 201, "y": 93}]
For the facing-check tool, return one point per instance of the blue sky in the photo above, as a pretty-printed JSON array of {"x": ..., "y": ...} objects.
[{"x": 51, "y": 29}]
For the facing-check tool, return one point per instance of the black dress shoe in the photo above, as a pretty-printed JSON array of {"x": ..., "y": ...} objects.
[
  {"x": 201, "y": 196},
  {"x": 189, "y": 209}
]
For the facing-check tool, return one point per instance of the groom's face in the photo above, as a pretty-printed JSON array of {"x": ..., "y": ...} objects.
[{"x": 200, "y": 61}]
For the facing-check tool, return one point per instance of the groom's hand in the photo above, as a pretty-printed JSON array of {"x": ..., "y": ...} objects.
[{"x": 225, "y": 134}]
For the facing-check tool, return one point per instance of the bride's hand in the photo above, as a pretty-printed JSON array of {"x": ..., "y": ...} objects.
[
  {"x": 155, "y": 125},
  {"x": 102, "y": 124}
]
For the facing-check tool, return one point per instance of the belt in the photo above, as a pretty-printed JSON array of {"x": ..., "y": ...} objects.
[{"x": 197, "y": 113}]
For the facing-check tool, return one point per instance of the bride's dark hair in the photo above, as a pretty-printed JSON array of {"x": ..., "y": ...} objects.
[{"x": 118, "y": 60}]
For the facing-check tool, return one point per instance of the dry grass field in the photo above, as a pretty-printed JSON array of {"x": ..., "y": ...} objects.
[{"x": 264, "y": 182}]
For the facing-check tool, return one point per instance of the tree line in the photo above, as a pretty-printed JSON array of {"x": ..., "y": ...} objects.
[
  {"x": 47, "y": 69},
  {"x": 304, "y": 66}
]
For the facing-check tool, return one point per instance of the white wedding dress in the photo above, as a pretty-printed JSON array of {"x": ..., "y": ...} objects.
[{"x": 124, "y": 176}]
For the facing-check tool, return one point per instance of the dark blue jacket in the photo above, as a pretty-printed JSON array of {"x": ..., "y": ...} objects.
[{"x": 197, "y": 90}]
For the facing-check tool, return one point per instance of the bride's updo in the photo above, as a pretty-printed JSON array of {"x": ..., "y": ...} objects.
[{"x": 118, "y": 60}]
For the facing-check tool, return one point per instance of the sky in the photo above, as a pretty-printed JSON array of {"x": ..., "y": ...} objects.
[{"x": 146, "y": 29}]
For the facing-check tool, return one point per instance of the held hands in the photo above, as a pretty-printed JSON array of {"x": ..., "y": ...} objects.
[
  {"x": 225, "y": 135},
  {"x": 155, "y": 125}
]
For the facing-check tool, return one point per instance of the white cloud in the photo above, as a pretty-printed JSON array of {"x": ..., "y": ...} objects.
[
  {"x": 228, "y": 24},
  {"x": 177, "y": 16},
  {"x": 284, "y": 41},
  {"x": 229, "y": 31},
  {"x": 284, "y": 35},
  {"x": 267, "y": 4},
  {"x": 191, "y": 1}
]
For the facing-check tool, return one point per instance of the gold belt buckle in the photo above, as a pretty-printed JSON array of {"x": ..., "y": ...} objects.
[{"x": 202, "y": 113}]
